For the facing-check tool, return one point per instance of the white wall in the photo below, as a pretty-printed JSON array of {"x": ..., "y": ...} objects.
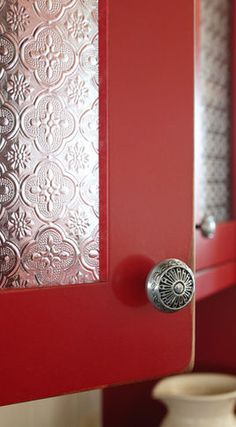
[{"x": 77, "y": 410}]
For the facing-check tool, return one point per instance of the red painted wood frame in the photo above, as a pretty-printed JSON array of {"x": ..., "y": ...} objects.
[
  {"x": 65, "y": 339},
  {"x": 216, "y": 258},
  {"x": 132, "y": 405}
]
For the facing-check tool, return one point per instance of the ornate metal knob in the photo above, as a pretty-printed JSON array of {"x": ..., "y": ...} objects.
[
  {"x": 170, "y": 285},
  {"x": 208, "y": 226}
]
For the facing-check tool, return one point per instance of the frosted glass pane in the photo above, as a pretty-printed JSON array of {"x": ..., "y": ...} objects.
[
  {"x": 215, "y": 108},
  {"x": 49, "y": 143}
]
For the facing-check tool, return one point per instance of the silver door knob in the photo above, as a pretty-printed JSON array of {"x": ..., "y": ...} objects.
[
  {"x": 208, "y": 226},
  {"x": 170, "y": 285}
]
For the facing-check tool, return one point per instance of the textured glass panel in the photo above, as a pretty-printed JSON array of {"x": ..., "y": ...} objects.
[
  {"x": 214, "y": 108},
  {"x": 49, "y": 180}
]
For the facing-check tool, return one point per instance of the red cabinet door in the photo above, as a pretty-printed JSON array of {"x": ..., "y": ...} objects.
[{"x": 62, "y": 339}]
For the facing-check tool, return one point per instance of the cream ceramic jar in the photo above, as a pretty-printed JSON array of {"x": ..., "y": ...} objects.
[{"x": 198, "y": 400}]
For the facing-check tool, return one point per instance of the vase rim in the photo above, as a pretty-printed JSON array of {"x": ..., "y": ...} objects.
[{"x": 204, "y": 387}]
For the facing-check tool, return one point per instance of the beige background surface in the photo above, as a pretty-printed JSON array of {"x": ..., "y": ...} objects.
[{"x": 77, "y": 410}]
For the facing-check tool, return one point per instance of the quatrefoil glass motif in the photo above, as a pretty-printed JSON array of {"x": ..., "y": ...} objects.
[{"x": 50, "y": 155}]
